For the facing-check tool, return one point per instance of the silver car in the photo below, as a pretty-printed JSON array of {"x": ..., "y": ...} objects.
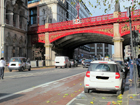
[
  {"x": 19, "y": 63},
  {"x": 104, "y": 76}
]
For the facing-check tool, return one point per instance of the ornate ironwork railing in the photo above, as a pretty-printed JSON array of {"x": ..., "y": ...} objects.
[{"x": 88, "y": 21}]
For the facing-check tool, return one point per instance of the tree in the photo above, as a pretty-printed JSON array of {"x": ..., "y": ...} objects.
[{"x": 108, "y": 4}]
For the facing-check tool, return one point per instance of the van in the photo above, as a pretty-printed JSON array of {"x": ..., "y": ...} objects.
[
  {"x": 19, "y": 63},
  {"x": 62, "y": 62}
]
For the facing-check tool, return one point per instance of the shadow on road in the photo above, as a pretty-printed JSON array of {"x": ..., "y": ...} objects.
[{"x": 9, "y": 98}]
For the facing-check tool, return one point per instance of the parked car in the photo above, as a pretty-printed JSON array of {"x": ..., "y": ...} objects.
[
  {"x": 86, "y": 63},
  {"x": 124, "y": 67},
  {"x": 104, "y": 75},
  {"x": 19, "y": 63},
  {"x": 74, "y": 63},
  {"x": 62, "y": 61}
]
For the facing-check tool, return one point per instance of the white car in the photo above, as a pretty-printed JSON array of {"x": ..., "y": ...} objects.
[
  {"x": 104, "y": 76},
  {"x": 62, "y": 61},
  {"x": 19, "y": 63}
]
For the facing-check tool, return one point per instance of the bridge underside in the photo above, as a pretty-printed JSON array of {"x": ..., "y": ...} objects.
[{"x": 76, "y": 40}]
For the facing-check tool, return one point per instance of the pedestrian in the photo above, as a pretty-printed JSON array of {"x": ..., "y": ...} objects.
[
  {"x": 130, "y": 63},
  {"x": 138, "y": 65},
  {"x": 2, "y": 67}
]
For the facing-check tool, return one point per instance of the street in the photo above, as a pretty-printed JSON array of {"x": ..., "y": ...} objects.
[{"x": 50, "y": 86}]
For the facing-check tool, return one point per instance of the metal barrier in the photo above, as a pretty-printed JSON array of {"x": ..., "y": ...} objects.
[
  {"x": 34, "y": 63},
  {"x": 41, "y": 63}
]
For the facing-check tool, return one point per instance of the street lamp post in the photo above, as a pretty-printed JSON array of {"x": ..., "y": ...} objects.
[{"x": 131, "y": 43}]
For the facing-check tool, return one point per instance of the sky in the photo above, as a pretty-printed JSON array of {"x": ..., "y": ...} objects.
[{"x": 99, "y": 10}]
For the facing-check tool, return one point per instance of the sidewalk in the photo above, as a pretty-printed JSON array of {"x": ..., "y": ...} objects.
[
  {"x": 130, "y": 97},
  {"x": 134, "y": 98}
]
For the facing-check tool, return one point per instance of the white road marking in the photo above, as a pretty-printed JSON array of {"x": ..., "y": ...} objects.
[
  {"x": 73, "y": 99},
  {"x": 42, "y": 85}
]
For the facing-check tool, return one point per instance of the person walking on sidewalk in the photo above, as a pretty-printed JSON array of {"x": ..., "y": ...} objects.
[
  {"x": 2, "y": 67},
  {"x": 138, "y": 65},
  {"x": 130, "y": 63}
]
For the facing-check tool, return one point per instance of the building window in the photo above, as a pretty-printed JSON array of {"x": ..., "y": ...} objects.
[
  {"x": 43, "y": 11},
  {"x": 106, "y": 47},
  {"x": 32, "y": 1},
  {"x": 33, "y": 16},
  {"x": 92, "y": 52},
  {"x": 20, "y": 20},
  {"x": 92, "y": 48},
  {"x": 50, "y": 20}
]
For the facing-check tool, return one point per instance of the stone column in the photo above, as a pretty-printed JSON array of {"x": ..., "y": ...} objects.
[
  {"x": 118, "y": 48},
  {"x": 2, "y": 28},
  {"x": 95, "y": 48},
  {"x": 103, "y": 45},
  {"x": 11, "y": 18},
  {"x": 117, "y": 39},
  {"x": 48, "y": 54}
]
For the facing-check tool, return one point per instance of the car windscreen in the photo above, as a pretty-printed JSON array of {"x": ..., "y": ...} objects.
[
  {"x": 87, "y": 60},
  {"x": 102, "y": 67},
  {"x": 15, "y": 60}
]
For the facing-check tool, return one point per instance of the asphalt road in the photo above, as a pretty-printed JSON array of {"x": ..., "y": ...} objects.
[{"x": 17, "y": 81}]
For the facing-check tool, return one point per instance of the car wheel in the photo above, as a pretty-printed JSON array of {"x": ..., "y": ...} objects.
[
  {"x": 29, "y": 69},
  {"x": 119, "y": 92},
  {"x": 21, "y": 69},
  {"x": 65, "y": 66},
  {"x": 70, "y": 66},
  {"x": 86, "y": 90},
  {"x": 55, "y": 66},
  {"x": 10, "y": 70}
]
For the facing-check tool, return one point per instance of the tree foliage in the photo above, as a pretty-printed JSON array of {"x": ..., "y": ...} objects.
[{"x": 107, "y": 5}]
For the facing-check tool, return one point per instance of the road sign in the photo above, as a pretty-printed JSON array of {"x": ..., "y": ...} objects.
[
  {"x": 2, "y": 51},
  {"x": 82, "y": 55}
]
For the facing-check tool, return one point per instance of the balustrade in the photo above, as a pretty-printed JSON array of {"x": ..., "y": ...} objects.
[{"x": 90, "y": 20}]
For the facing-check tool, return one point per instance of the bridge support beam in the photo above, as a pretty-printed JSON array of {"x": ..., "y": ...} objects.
[
  {"x": 118, "y": 41},
  {"x": 118, "y": 49},
  {"x": 48, "y": 54}
]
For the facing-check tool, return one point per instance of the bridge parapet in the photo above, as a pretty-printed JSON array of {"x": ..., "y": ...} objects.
[
  {"x": 86, "y": 22},
  {"x": 97, "y": 20}
]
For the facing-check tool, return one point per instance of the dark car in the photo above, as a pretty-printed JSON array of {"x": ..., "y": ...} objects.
[
  {"x": 86, "y": 63},
  {"x": 73, "y": 62},
  {"x": 124, "y": 66}
]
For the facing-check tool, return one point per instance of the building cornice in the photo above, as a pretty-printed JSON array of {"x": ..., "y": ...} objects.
[
  {"x": 52, "y": 2},
  {"x": 14, "y": 28}
]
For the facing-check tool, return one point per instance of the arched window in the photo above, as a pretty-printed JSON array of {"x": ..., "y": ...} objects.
[
  {"x": 20, "y": 19},
  {"x": 7, "y": 14},
  {"x": 14, "y": 18}
]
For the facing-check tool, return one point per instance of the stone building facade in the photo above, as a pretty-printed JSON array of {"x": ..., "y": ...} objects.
[
  {"x": 42, "y": 12},
  {"x": 13, "y": 28}
]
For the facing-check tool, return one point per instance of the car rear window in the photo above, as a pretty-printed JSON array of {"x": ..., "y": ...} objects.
[
  {"x": 102, "y": 67},
  {"x": 59, "y": 58},
  {"x": 15, "y": 60}
]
